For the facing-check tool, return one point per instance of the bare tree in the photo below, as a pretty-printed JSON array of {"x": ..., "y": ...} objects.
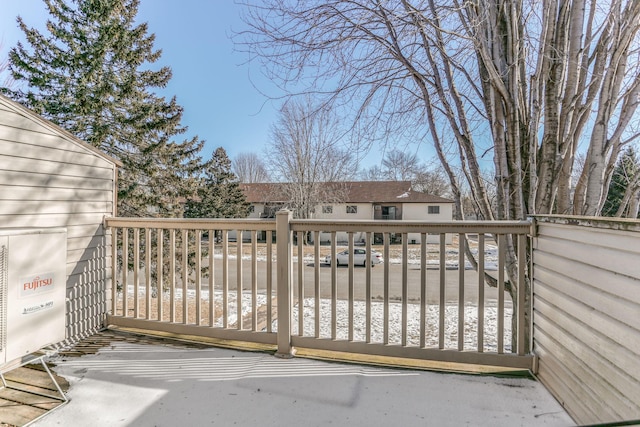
[
  {"x": 373, "y": 173},
  {"x": 396, "y": 165},
  {"x": 307, "y": 150},
  {"x": 537, "y": 77},
  {"x": 249, "y": 168},
  {"x": 432, "y": 181},
  {"x": 542, "y": 77},
  {"x": 400, "y": 165}
]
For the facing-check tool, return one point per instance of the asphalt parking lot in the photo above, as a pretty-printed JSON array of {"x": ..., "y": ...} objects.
[{"x": 451, "y": 290}]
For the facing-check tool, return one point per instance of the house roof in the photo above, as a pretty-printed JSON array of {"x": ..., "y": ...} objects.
[
  {"x": 25, "y": 112},
  {"x": 354, "y": 192}
]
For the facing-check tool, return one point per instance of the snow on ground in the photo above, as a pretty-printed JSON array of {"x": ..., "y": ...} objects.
[
  {"x": 377, "y": 320},
  {"x": 413, "y": 323}
]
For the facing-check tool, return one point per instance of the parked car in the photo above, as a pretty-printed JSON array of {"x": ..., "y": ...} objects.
[{"x": 359, "y": 257}]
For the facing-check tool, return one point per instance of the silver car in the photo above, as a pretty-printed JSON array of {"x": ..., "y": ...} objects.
[{"x": 359, "y": 257}]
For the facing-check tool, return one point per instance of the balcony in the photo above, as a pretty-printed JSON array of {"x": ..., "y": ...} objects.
[{"x": 426, "y": 306}]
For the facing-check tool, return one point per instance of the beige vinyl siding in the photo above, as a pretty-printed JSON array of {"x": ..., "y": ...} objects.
[
  {"x": 586, "y": 322},
  {"x": 420, "y": 212},
  {"x": 49, "y": 179}
]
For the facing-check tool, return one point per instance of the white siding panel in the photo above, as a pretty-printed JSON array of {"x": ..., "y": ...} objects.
[
  {"x": 58, "y": 154},
  {"x": 624, "y": 287},
  {"x": 61, "y": 195},
  {"x": 9, "y": 118},
  {"x": 596, "y": 378},
  {"x": 53, "y": 168},
  {"x": 586, "y": 325},
  {"x": 88, "y": 242},
  {"x": 40, "y": 181},
  {"x": 619, "y": 261},
  {"x": 46, "y": 207},
  {"x": 593, "y": 237},
  {"x": 586, "y": 328},
  {"x": 580, "y": 402},
  {"x": 420, "y": 212},
  {"x": 611, "y": 305},
  {"x": 38, "y": 221},
  {"x": 35, "y": 136}
]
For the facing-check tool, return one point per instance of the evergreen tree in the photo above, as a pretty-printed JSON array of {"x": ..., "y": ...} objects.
[
  {"x": 625, "y": 181},
  {"x": 91, "y": 75},
  {"x": 219, "y": 193}
]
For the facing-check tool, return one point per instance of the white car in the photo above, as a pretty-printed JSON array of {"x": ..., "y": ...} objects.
[{"x": 359, "y": 257}]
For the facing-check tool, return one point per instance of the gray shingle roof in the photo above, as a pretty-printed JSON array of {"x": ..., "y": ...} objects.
[{"x": 355, "y": 192}]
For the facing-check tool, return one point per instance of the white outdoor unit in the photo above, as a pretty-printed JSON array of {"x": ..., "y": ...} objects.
[{"x": 32, "y": 292}]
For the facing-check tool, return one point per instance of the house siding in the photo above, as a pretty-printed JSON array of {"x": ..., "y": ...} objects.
[
  {"x": 48, "y": 179},
  {"x": 419, "y": 212},
  {"x": 586, "y": 327}
]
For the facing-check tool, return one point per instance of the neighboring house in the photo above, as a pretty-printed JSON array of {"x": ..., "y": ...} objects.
[
  {"x": 51, "y": 179},
  {"x": 358, "y": 200}
]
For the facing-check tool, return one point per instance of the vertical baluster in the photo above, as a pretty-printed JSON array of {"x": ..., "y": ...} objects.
[
  {"x": 114, "y": 271},
  {"x": 351, "y": 267},
  {"x": 125, "y": 272},
  {"x": 385, "y": 315},
  {"x": 159, "y": 271},
  {"x": 501, "y": 264},
  {"x": 136, "y": 272},
  {"x": 147, "y": 272},
  {"x": 423, "y": 289},
  {"x": 481, "y": 250},
  {"x": 212, "y": 293},
  {"x": 442, "y": 308},
  {"x": 405, "y": 288},
  {"x": 316, "y": 268},
  {"x": 461, "y": 244},
  {"x": 198, "y": 276},
  {"x": 185, "y": 276},
  {"x": 254, "y": 280},
  {"x": 368, "y": 290},
  {"x": 522, "y": 261},
  {"x": 269, "y": 280},
  {"x": 301, "y": 283},
  {"x": 334, "y": 285},
  {"x": 225, "y": 278},
  {"x": 172, "y": 275},
  {"x": 239, "y": 281}
]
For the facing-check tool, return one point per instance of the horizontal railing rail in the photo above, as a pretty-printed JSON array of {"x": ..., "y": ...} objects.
[{"x": 424, "y": 300}]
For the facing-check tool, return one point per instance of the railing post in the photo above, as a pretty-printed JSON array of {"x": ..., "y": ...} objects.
[{"x": 284, "y": 273}]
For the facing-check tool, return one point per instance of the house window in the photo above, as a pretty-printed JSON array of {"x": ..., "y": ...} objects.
[
  {"x": 352, "y": 209},
  {"x": 252, "y": 209},
  {"x": 327, "y": 209},
  {"x": 433, "y": 209}
]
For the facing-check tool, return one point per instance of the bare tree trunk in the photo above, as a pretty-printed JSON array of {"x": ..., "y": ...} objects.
[{"x": 537, "y": 77}]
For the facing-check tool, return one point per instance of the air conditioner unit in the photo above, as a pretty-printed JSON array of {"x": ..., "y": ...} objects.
[{"x": 32, "y": 292}]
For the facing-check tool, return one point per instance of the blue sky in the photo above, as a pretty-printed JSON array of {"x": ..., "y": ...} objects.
[{"x": 209, "y": 80}]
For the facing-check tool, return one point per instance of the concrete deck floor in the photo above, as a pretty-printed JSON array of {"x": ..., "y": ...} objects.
[{"x": 124, "y": 380}]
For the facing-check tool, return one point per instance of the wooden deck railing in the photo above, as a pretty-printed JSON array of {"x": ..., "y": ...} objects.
[{"x": 423, "y": 301}]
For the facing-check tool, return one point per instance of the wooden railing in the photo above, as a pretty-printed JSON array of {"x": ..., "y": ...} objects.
[{"x": 423, "y": 301}]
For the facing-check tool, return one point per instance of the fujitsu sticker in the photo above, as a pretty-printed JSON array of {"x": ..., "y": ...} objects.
[{"x": 36, "y": 284}]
